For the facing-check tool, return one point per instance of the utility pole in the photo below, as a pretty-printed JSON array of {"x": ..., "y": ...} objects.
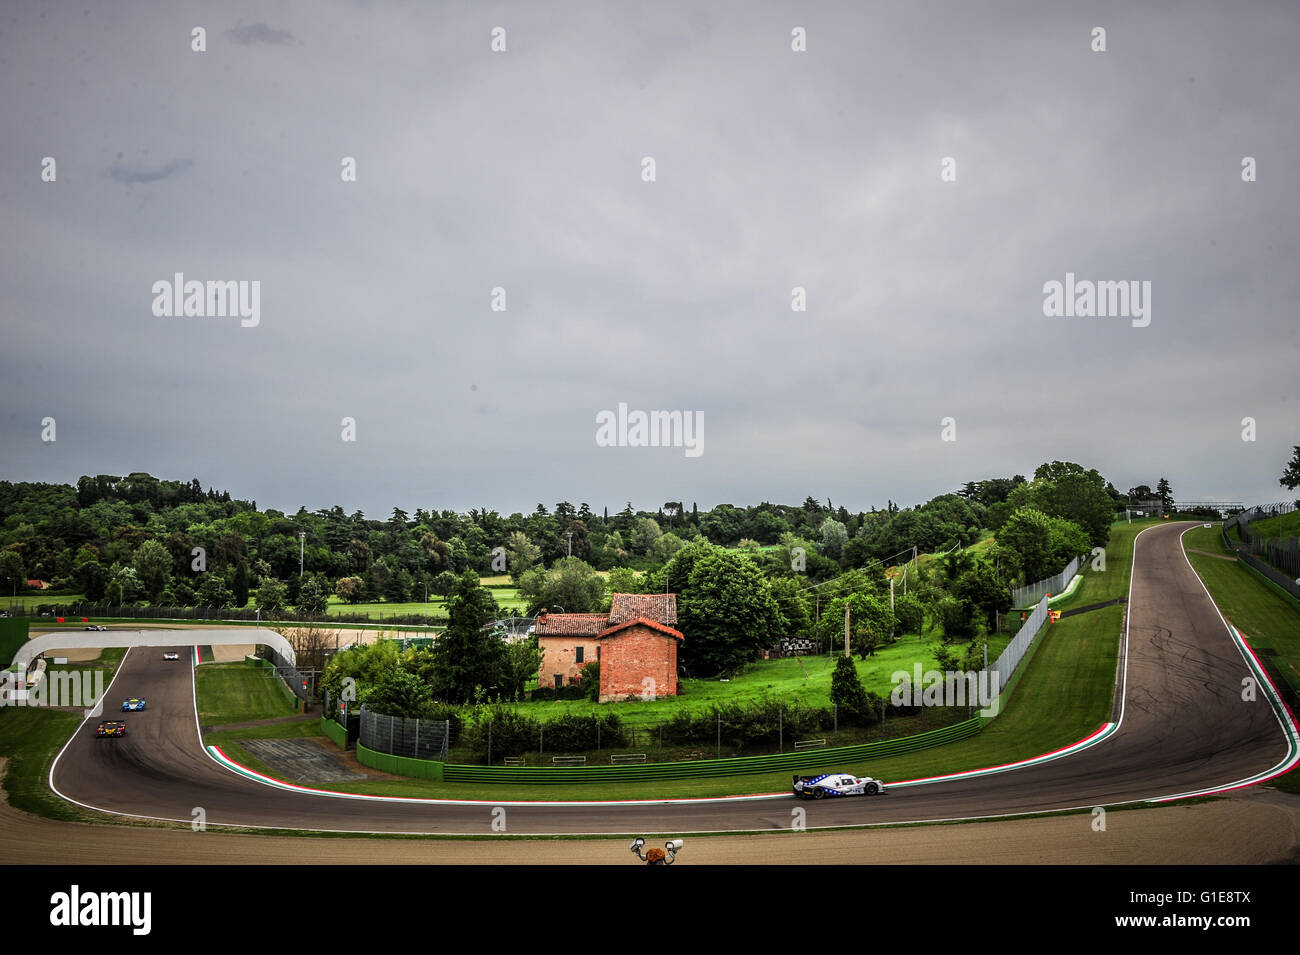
[
  {"x": 846, "y": 630},
  {"x": 570, "y": 533},
  {"x": 891, "y": 604},
  {"x": 302, "y": 541}
]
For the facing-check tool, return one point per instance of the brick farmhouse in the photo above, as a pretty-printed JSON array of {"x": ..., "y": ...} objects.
[{"x": 635, "y": 642}]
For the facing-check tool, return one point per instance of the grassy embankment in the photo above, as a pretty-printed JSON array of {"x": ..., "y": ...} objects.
[{"x": 1268, "y": 620}]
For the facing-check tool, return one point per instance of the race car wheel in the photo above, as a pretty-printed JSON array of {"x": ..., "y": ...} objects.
[
  {"x": 818, "y": 793},
  {"x": 873, "y": 789}
]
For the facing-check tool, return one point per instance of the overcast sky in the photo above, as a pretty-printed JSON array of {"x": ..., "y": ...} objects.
[{"x": 523, "y": 170}]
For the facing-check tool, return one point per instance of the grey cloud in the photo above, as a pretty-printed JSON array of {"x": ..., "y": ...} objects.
[
  {"x": 131, "y": 173},
  {"x": 259, "y": 33}
]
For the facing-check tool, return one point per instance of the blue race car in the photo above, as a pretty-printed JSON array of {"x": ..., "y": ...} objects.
[{"x": 133, "y": 704}]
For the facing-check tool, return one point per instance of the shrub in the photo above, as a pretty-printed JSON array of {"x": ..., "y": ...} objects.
[
  {"x": 512, "y": 733},
  {"x": 591, "y": 680}
]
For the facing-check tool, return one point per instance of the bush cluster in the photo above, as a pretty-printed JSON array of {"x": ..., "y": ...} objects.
[{"x": 513, "y": 733}]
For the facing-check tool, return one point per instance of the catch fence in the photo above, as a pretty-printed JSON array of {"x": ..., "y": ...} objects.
[
  {"x": 1277, "y": 558},
  {"x": 1009, "y": 661},
  {"x": 400, "y": 736},
  {"x": 1031, "y": 594}
]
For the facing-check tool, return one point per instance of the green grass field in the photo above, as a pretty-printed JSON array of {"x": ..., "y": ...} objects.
[
  {"x": 1284, "y": 525},
  {"x": 239, "y": 693},
  {"x": 30, "y": 601},
  {"x": 774, "y": 679}
]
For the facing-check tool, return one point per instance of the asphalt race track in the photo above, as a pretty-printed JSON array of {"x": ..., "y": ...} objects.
[{"x": 1184, "y": 728}]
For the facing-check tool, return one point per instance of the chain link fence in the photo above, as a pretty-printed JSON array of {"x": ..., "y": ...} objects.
[
  {"x": 1009, "y": 661},
  {"x": 301, "y": 684},
  {"x": 1031, "y": 594},
  {"x": 399, "y": 736},
  {"x": 130, "y": 612}
]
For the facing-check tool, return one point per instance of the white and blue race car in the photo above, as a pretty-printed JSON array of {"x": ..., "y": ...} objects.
[
  {"x": 836, "y": 784},
  {"x": 133, "y": 704}
]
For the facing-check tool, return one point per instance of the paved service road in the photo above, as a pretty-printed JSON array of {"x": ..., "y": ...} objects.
[{"x": 1184, "y": 728}]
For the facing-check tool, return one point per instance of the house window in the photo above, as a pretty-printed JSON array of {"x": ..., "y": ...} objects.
[
  {"x": 579, "y": 651},
  {"x": 559, "y": 680}
]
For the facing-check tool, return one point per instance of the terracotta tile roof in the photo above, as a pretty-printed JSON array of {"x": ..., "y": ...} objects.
[
  {"x": 643, "y": 621},
  {"x": 571, "y": 624},
  {"x": 658, "y": 607}
]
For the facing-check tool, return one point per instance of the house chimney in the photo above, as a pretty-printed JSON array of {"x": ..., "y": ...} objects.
[{"x": 541, "y": 616}]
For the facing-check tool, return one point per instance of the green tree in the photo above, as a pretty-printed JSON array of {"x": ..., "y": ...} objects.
[
  {"x": 521, "y": 554},
  {"x": 792, "y": 599},
  {"x": 1028, "y": 533},
  {"x": 349, "y": 589},
  {"x": 870, "y": 623},
  {"x": 645, "y": 533},
  {"x": 242, "y": 584},
  {"x": 834, "y": 536},
  {"x": 1165, "y": 494},
  {"x": 1291, "y": 473},
  {"x": 910, "y": 614},
  {"x": 271, "y": 596},
  {"x": 313, "y": 598},
  {"x": 398, "y": 588},
  {"x": 590, "y": 680},
  {"x": 212, "y": 591},
  {"x": 572, "y": 584},
  {"x": 983, "y": 593},
  {"x": 399, "y": 693},
  {"x": 468, "y": 657},
  {"x": 521, "y": 661},
  {"x": 153, "y": 567},
  {"x": 726, "y": 613},
  {"x": 625, "y": 580},
  {"x": 93, "y": 578},
  {"x": 359, "y": 669},
  {"x": 13, "y": 575},
  {"x": 846, "y": 688}
]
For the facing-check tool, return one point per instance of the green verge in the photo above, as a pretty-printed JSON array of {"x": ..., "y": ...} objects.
[
  {"x": 1267, "y": 620},
  {"x": 239, "y": 693},
  {"x": 1284, "y": 525}
]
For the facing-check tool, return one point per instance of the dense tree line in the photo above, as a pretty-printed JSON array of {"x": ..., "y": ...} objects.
[{"x": 746, "y": 576}]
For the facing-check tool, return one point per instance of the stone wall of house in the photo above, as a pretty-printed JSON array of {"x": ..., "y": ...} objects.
[
  {"x": 632, "y": 656},
  {"x": 560, "y": 655}
]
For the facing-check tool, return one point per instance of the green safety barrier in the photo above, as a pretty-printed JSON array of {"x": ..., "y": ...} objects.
[
  {"x": 809, "y": 760},
  {"x": 400, "y": 765},
  {"x": 334, "y": 731}
]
